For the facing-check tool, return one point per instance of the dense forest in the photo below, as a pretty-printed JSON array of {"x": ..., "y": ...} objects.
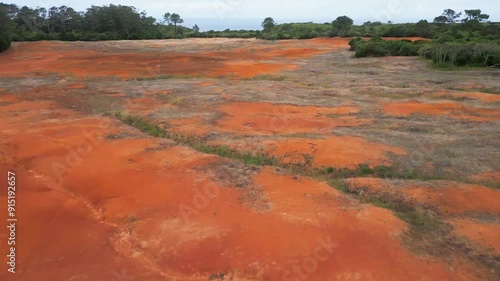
[
  {"x": 111, "y": 22},
  {"x": 458, "y": 38}
]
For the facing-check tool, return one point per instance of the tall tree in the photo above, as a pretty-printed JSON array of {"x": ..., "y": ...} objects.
[
  {"x": 176, "y": 19},
  {"x": 268, "y": 24},
  {"x": 441, "y": 20},
  {"x": 166, "y": 18},
  {"x": 451, "y": 15},
  {"x": 5, "y": 28},
  {"x": 423, "y": 29},
  {"x": 27, "y": 19},
  {"x": 342, "y": 25},
  {"x": 475, "y": 15}
]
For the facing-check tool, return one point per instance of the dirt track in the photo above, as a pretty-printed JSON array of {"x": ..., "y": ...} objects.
[{"x": 99, "y": 199}]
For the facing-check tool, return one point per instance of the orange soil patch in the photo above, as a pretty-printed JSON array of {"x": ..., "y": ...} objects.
[
  {"x": 485, "y": 234},
  {"x": 205, "y": 84},
  {"x": 339, "y": 152},
  {"x": 294, "y": 53},
  {"x": 130, "y": 196},
  {"x": 248, "y": 69},
  {"x": 8, "y": 99},
  {"x": 488, "y": 177},
  {"x": 447, "y": 197},
  {"x": 259, "y": 118},
  {"x": 39, "y": 58},
  {"x": 335, "y": 42},
  {"x": 472, "y": 95},
  {"x": 194, "y": 126},
  {"x": 450, "y": 109},
  {"x": 77, "y": 86}
]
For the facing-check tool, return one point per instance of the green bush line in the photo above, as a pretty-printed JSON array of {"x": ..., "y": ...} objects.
[
  {"x": 474, "y": 54},
  {"x": 377, "y": 47},
  {"x": 446, "y": 55}
]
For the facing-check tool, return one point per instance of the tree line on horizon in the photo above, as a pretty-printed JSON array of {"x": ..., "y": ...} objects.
[
  {"x": 448, "y": 23},
  {"x": 120, "y": 22}
]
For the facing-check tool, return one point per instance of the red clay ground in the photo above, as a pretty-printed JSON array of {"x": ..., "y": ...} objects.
[
  {"x": 449, "y": 109},
  {"x": 100, "y": 200},
  {"x": 266, "y": 118},
  {"x": 114, "y": 204},
  {"x": 25, "y": 60}
]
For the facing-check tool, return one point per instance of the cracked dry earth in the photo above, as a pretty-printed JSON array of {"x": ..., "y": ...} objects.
[{"x": 100, "y": 200}]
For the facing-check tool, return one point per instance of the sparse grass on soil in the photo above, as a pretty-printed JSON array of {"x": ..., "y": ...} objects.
[
  {"x": 440, "y": 143},
  {"x": 196, "y": 143},
  {"x": 166, "y": 77},
  {"x": 139, "y": 123},
  {"x": 427, "y": 232}
]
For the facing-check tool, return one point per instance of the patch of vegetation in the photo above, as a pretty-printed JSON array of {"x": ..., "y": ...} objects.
[
  {"x": 196, "y": 143},
  {"x": 420, "y": 222},
  {"x": 377, "y": 47},
  {"x": 269, "y": 77},
  {"x": 139, "y": 123},
  {"x": 170, "y": 99},
  {"x": 217, "y": 276},
  {"x": 489, "y": 184},
  {"x": 380, "y": 94},
  {"x": 362, "y": 170},
  {"x": 460, "y": 54},
  {"x": 258, "y": 159},
  {"x": 166, "y": 77},
  {"x": 427, "y": 232},
  {"x": 5, "y": 29},
  {"x": 262, "y": 159},
  {"x": 228, "y": 33},
  {"x": 308, "y": 30},
  {"x": 450, "y": 97}
]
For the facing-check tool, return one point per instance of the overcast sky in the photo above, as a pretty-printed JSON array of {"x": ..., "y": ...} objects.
[{"x": 236, "y": 14}]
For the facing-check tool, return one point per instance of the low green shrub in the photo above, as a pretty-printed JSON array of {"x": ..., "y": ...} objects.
[
  {"x": 377, "y": 47},
  {"x": 481, "y": 54},
  {"x": 4, "y": 42}
]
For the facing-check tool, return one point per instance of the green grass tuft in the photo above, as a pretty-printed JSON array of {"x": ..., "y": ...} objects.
[
  {"x": 139, "y": 123},
  {"x": 258, "y": 159}
]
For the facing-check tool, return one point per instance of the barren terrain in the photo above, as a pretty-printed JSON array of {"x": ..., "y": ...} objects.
[{"x": 242, "y": 159}]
